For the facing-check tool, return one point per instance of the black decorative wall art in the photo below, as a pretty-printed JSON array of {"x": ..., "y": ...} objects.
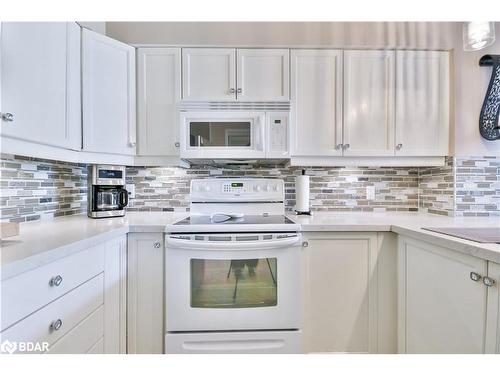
[{"x": 490, "y": 112}]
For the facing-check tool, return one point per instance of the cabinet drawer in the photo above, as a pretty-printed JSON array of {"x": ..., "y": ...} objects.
[
  {"x": 83, "y": 337},
  {"x": 70, "y": 309},
  {"x": 23, "y": 294}
]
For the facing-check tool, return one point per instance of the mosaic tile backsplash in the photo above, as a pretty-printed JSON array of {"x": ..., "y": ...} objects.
[{"x": 34, "y": 189}]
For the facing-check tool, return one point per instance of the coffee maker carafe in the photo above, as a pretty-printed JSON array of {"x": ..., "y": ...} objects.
[{"x": 107, "y": 196}]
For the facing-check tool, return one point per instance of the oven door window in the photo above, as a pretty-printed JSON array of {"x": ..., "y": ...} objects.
[
  {"x": 220, "y": 134},
  {"x": 239, "y": 283}
]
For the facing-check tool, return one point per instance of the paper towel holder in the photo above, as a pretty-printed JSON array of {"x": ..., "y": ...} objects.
[{"x": 303, "y": 212}]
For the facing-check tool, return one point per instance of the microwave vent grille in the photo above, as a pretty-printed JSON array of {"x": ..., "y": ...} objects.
[{"x": 234, "y": 106}]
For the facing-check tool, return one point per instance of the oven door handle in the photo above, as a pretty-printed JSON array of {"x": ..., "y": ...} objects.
[{"x": 178, "y": 243}]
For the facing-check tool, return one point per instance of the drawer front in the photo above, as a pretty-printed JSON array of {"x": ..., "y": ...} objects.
[
  {"x": 83, "y": 337},
  {"x": 98, "y": 347},
  {"x": 36, "y": 287},
  {"x": 70, "y": 309}
]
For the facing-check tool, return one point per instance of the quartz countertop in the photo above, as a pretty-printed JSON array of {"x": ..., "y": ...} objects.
[{"x": 45, "y": 241}]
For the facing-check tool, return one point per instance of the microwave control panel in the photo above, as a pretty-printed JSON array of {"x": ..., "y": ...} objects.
[{"x": 277, "y": 134}]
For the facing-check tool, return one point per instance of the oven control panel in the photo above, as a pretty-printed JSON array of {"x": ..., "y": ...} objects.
[{"x": 219, "y": 189}]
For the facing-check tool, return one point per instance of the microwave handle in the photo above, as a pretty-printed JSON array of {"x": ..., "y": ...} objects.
[
  {"x": 259, "y": 134},
  {"x": 123, "y": 198}
]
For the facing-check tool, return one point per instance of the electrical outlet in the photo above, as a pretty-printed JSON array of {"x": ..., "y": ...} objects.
[
  {"x": 131, "y": 190},
  {"x": 370, "y": 193}
]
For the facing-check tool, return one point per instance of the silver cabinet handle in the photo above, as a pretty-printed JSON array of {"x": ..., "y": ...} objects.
[
  {"x": 339, "y": 146},
  {"x": 232, "y": 91},
  {"x": 346, "y": 146},
  {"x": 474, "y": 276},
  {"x": 157, "y": 245},
  {"x": 9, "y": 117},
  {"x": 305, "y": 244},
  {"x": 56, "y": 280},
  {"x": 177, "y": 144},
  {"x": 239, "y": 91},
  {"x": 488, "y": 281},
  {"x": 56, "y": 325},
  {"x": 131, "y": 144},
  {"x": 399, "y": 146}
]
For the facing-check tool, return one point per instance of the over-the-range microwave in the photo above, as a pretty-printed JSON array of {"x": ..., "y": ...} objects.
[{"x": 234, "y": 135}]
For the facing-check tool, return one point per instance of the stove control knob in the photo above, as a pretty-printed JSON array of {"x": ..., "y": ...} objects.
[
  {"x": 267, "y": 187},
  {"x": 206, "y": 188},
  {"x": 256, "y": 188},
  {"x": 275, "y": 187}
]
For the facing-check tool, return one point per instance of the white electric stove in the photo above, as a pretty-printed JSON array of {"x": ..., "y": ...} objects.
[{"x": 233, "y": 271}]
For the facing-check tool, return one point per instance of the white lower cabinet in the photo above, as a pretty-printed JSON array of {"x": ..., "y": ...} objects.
[
  {"x": 145, "y": 320},
  {"x": 493, "y": 315},
  {"x": 443, "y": 302},
  {"x": 74, "y": 305},
  {"x": 350, "y": 292}
]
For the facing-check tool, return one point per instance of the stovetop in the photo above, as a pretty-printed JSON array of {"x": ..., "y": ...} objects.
[
  {"x": 482, "y": 235},
  {"x": 245, "y": 220}
]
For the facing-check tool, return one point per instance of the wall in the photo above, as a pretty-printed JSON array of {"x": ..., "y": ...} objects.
[{"x": 470, "y": 80}]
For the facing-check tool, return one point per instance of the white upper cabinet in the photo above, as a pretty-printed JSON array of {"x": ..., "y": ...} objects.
[
  {"x": 262, "y": 74},
  {"x": 316, "y": 102},
  {"x": 422, "y": 103},
  {"x": 40, "y": 82},
  {"x": 159, "y": 91},
  {"x": 209, "y": 74},
  {"x": 368, "y": 103},
  {"x": 108, "y": 89}
]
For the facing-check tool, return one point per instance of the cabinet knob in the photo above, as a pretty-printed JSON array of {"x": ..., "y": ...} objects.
[
  {"x": 232, "y": 91},
  {"x": 474, "y": 276},
  {"x": 488, "y": 281},
  {"x": 346, "y": 146},
  {"x": 305, "y": 244},
  {"x": 239, "y": 91},
  {"x": 399, "y": 146},
  {"x": 9, "y": 117},
  {"x": 56, "y": 280},
  {"x": 339, "y": 146},
  {"x": 157, "y": 245},
  {"x": 177, "y": 144},
  {"x": 56, "y": 325}
]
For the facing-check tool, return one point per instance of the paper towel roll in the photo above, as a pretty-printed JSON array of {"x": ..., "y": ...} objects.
[{"x": 302, "y": 193}]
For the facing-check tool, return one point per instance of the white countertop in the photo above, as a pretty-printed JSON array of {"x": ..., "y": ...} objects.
[{"x": 45, "y": 241}]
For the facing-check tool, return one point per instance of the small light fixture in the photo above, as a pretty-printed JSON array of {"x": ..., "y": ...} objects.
[{"x": 478, "y": 35}]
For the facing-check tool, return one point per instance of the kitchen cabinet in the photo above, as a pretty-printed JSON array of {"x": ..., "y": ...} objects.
[
  {"x": 145, "y": 325},
  {"x": 422, "y": 103},
  {"x": 316, "y": 102},
  {"x": 108, "y": 95},
  {"x": 349, "y": 291},
  {"x": 72, "y": 303},
  {"x": 262, "y": 74},
  {"x": 368, "y": 103},
  {"x": 40, "y": 85},
  {"x": 442, "y": 301},
  {"x": 159, "y": 91},
  {"x": 493, "y": 314},
  {"x": 229, "y": 74}
]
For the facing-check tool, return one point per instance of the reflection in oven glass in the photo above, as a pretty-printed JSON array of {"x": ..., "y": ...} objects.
[{"x": 240, "y": 283}]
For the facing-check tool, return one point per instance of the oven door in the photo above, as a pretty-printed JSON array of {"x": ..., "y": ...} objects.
[
  {"x": 222, "y": 135},
  {"x": 243, "y": 281}
]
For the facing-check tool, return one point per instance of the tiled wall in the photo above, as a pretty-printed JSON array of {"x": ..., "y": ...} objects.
[
  {"x": 34, "y": 189},
  {"x": 332, "y": 189},
  {"x": 477, "y": 188}
]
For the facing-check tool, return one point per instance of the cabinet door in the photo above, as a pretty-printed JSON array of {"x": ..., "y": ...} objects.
[
  {"x": 115, "y": 296},
  {"x": 441, "y": 309},
  {"x": 368, "y": 103},
  {"x": 316, "y": 102},
  {"x": 108, "y": 86},
  {"x": 40, "y": 82},
  {"x": 209, "y": 74},
  {"x": 341, "y": 293},
  {"x": 145, "y": 313},
  {"x": 422, "y": 103},
  {"x": 493, "y": 315},
  {"x": 263, "y": 74},
  {"x": 159, "y": 91}
]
